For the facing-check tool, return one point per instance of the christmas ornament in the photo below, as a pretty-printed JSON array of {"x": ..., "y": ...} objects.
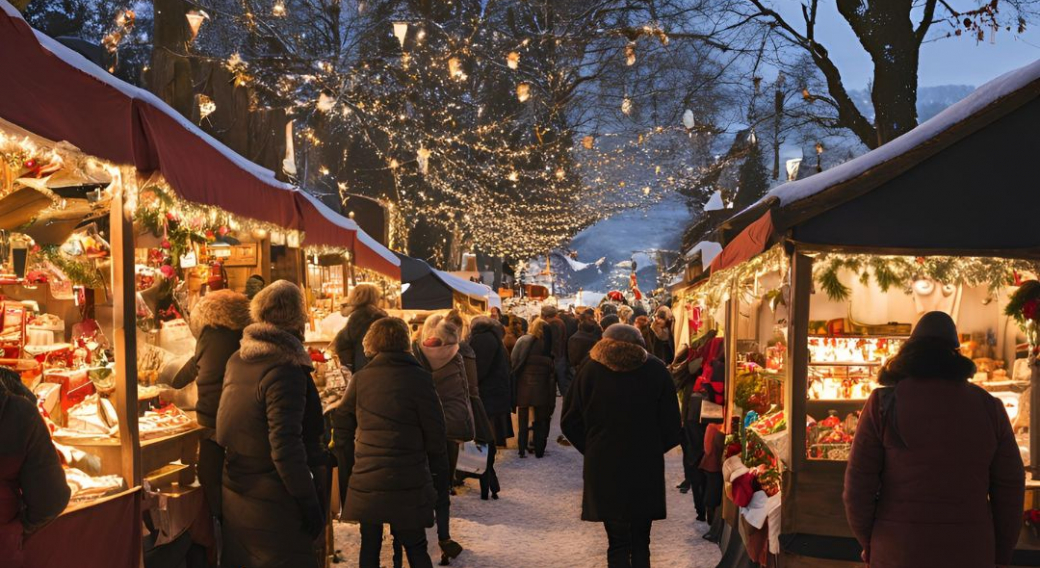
[
  {"x": 513, "y": 60},
  {"x": 523, "y": 92}
]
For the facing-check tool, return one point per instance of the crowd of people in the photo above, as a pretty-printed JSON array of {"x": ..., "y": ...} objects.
[{"x": 418, "y": 391}]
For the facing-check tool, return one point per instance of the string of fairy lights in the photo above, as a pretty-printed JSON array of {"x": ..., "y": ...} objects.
[{"x": 466, "y": 116}]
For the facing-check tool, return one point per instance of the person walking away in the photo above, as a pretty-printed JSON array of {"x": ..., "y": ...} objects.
[
  {"x": 570, "y": 322},
  {"x": 514, "y": 331},
  {"x": 270, "y": 425},
  {"x": 33, "y": 490},
  {"x": 217, "y": 323},
  {"x": 662, "y": 342},
  {"x": 533, "y": 367},
  {"x": 361, "y": 310},
  {"x": 556, "y": 339},
  {"x": 623, "y": 416},
  {"x": 580, "y": 345},
  {"x": 494, "y": 394},
  {"x": 254, "y": 284},
  {"x": 625, "y": 314},
  {"x": 439, "y": 354},
  {"x": 392, "y": 430},
  {"x": 904, "y": 503}
]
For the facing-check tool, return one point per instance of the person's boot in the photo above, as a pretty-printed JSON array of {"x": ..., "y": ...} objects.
[
  {"x": 449, "y": 549},
  {"x": 684, "y": 487},
  {"x": 562, "y": 440}
]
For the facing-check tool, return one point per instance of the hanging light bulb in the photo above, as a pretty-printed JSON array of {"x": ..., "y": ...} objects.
[
  {"x": 514, "y": 176},
  {"x": 646, "y": 190},
  {"x": 588, "y": 141},
  {"x": 513, "y": 59},
  {"x": 523, "y": 92},
  {"x": 626, "y": 106},
  {"x": 325, "y": 102},
  {"x": 455, "y": 69},
  {"x": 278, "y": 10},
  {"x": 560, "y": 173},
  {"x": 423, "y": 157},
  {"x": 401, "y": 32},
  {"x": 393, "y": 164},
  {"x": 630, "y": 53},
  {"x": 752, "y": 139}
]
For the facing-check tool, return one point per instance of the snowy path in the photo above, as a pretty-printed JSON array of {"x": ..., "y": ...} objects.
[{"x": 536, "y": 521}]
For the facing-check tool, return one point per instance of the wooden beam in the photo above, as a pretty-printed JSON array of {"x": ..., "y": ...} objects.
[
  {"x": 124, "y": 333},
  {"x": 795, "y": 397}
]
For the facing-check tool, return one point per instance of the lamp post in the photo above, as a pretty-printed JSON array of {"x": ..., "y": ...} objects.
[{"x": 819, "y": 157}]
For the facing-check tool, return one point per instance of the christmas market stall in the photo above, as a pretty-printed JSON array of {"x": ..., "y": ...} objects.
[
  {"x": 822, "y": 281},
  {"x": 425, "y": 289},
  {"x": 116, "y": 216}
]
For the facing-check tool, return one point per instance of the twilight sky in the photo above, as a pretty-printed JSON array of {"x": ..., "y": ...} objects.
[{"x": 950, "y": 61}]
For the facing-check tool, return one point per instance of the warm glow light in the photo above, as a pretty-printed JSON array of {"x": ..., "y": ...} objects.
[
  {"x": 513, "y": 59},
  {"x": 523, "y": 92},
  {"x": 278, "y": 10},
  {"x": 401, "y": 32}
]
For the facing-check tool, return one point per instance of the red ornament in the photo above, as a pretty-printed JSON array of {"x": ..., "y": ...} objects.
[
  {"x": 167, "y": 271},
  {"x": 31, "y": 164},
  {"x": 165, "y": 244},
  {"x": 210, "y": 236},
  {"x": 1029, "y": 309},
  {"x": 223, "y": 231}
]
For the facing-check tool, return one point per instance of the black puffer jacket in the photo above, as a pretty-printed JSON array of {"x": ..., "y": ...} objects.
[
  {"x": 579, "y": 346},
  {"x": 269, "y": 423},
  {"x": 448, "y": 368},
  {"x": 494, "y": 377},
  {"x": 390, "y": 431},
  {"x": 348, "y": 340},
  {"x": 621, "y": 412},
  {"x": 217, "y": 323},
  {"x": 534, "y": 372}
]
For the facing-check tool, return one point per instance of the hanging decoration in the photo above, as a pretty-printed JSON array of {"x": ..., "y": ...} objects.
[
  {"x": 588, "y": 141},
  {"x": 401, "y": 32},
  {"x": 630, "y": 53},
  {"x": 422, "y": 156},
  {"x": 278, "y": 10},
  {"x": 195, "y": 19},
  {"x": 523, "y": 92},
  {"x": 326, "y": 102},
  {"x": 1024, "y": 307},
  {"x": 626, "y": 106},
  {"x": 455, "y": 69},
  {"x": 513, "y": 60},
  {"x": 688, "y": 120}
]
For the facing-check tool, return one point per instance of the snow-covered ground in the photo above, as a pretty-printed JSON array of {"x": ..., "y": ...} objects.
[{"x": 536, "y": 522}]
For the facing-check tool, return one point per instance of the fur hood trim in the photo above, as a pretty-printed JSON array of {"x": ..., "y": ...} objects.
[
  {"x": 223, "y": 308},
  {"x": 618, "y": 356},
  {"x": 482, "y": 324},
  {"x": 263, "y": 340}
]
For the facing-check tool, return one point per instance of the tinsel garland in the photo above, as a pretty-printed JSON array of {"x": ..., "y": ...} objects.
[
  {"x": 78, "y": 272},
  {"x": 902, "y": 271}
]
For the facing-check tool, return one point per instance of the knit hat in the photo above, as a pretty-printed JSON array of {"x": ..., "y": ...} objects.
[
  {"x": 281, "y": 304},
  {"x": 937, "y": 326},
  {"x": 624, "y": 332},
  {"x": 608, "y": 321}
]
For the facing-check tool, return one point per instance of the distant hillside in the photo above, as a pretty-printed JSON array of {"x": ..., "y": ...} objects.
[{"x": 930, "y": 100}]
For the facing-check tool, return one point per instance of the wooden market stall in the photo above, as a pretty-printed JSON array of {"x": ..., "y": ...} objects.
[
  {"x": 821, "y": 281},
  {"x": 116, "y": 214}
]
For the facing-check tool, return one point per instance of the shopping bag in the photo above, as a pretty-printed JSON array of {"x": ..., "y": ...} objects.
[
  {"x": 711, "y": 411},
  {"x": 473, "y": 458}
]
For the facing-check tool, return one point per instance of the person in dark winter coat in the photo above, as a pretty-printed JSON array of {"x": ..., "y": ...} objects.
[
  {"x": 270, "y": 425},
  {"x": 556, "y": 339},
  {"x": 254, "y": 284},
  {"x": 496, "y": 390},
  {"x": 361, "y": 310},
  {"x": 623, "y": 416},
  {"x": 33, "y": 490},
  {"x": 932, "y": 484},
  {"x": 217, "y": 323},
  {"x": 662, "y": 341},
  {"x": 438, "y": 353},
  {"x": 391, "y": 426},
  {"x": 570, "y": 321},
  {"x": 607, "y": 321},
  {"x": 580, "y": 344},
  {"x": 495, "y": 387},
  {"x": 514, "y": 331},
  {"x": 535, "y": 389}
]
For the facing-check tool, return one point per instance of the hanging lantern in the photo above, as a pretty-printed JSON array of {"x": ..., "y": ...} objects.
[
  {"x": 401, "y": 32},
  {"x": 523, "y": 92},
  {"x": 325, "y": 102},
  {"x": 752, "y": 139},
  {"x": 195, "y": 19},
  {"x": 630, "y": 53},
  {"x": 278, "y": 10},
  {"x": 423, "y": 157},
  {"x": 687, "y": 119},
  {"x": 588, "y": 141},
  {"x": 455, "y": 69},
  {"x": 513, "y": 60},
  {"x": 626, "y": 106}
]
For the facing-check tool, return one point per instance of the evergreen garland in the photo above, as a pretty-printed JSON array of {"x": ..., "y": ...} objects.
[{"x": 78, "y": 272}]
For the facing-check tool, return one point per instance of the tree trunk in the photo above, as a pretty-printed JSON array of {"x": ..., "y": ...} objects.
[{"x": 895, "y": 95}]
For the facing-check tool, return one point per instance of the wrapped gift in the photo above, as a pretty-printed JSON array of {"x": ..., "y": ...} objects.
[{"x": 75, "y": 385}]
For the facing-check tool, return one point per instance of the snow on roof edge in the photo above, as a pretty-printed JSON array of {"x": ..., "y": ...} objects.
[{"x": 981, "y": 98}]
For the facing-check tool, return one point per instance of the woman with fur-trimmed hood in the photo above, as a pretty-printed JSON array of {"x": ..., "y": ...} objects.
[
  {"x": 270, "y": 425},
  {"x": 361, "y": 310},
  {"x": 661, "y": 342},
  {"x": 622, "y": 414},
  {"x": 217, "y": 323}
]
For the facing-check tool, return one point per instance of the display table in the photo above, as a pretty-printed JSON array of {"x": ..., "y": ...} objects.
[{"x": 100, "y": 534}]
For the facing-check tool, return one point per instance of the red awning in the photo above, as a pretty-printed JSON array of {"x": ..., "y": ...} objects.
[
  {"x": 57, "y": 94},
  {"x": 750, "y": 242}
]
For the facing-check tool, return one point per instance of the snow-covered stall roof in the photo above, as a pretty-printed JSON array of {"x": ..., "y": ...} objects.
[
  {"x": 58, "y": 94},
  {"x": 982, "y": 99}
]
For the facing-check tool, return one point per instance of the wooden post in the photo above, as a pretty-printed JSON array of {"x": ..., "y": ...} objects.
[
  {"x": 732, "y": 314},
  {"x": 1034, "y": 418},
  {"x": 795, "y": 396},
  {"x": 124, "y": 335}
]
